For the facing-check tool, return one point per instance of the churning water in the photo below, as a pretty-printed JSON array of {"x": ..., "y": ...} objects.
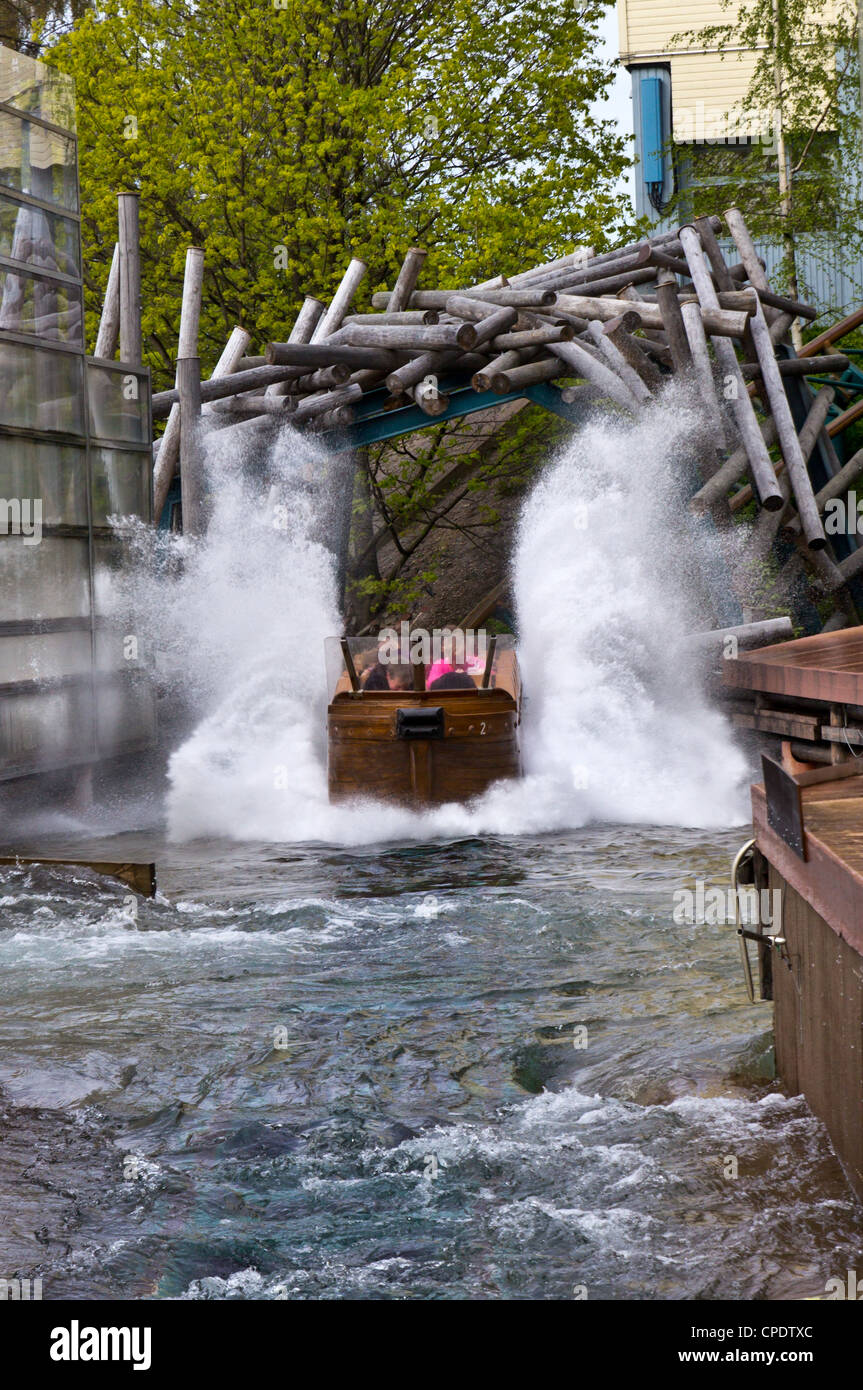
[
  {"x": 356, "y": 1052},
  {"x": 607, "y": 582}
]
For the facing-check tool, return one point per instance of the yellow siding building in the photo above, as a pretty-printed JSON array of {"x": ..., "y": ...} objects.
[{"x": 687, "y": 96}]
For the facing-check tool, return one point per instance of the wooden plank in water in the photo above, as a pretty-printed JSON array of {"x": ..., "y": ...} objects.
[{"x": 140, "y": 877}]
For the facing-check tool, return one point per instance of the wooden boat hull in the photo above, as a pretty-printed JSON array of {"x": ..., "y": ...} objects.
[{"x": 377, "y": 746}]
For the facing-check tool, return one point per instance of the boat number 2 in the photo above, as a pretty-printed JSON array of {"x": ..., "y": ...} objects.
[{"x": 482, "y": 727}]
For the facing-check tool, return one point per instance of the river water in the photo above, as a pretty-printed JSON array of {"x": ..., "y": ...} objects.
[
  {"x": 312, "y": 1072},
  {"x": 354, "y": 1052}
]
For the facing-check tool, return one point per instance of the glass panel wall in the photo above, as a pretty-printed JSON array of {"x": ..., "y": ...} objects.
[
  {"x": 54, "y": 476},
  {"x": 45, "y": 656},
  {"x": 72, "y": 688},
  {"x": 38, "y": 161},
  {"x": 37, "y": 305},
  {"x": 39, "y": 237},
  {"x": 40, "y": 389},
  {"x": 49, "y": 579},
  {"x": 36, "y": 89},
  {"x": 120, "y": 484},
  {"x": 118, "y": 404}
]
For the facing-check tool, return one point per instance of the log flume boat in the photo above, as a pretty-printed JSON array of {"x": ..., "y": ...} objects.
[{"x": 417, "y": 738}]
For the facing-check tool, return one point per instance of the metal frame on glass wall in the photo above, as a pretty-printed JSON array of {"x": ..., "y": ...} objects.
[{"x": 89, "y": 441}]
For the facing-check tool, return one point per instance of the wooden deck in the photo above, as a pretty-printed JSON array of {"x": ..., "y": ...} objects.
[
  {"x": 827, "y": 668},
  {"x": 817, "y": 980},
  {"x": 830, "y": 879}
]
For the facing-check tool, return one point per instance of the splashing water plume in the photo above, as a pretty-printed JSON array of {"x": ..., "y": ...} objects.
[{"x": 606, "y": 582}]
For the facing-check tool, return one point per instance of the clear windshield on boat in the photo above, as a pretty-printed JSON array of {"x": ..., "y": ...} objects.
[{"x": 448, "y": 659}]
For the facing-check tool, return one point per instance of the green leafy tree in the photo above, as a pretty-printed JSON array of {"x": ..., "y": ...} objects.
[
  {"x": 800, "y": 181},
  {"x": 282, "y": 136}
]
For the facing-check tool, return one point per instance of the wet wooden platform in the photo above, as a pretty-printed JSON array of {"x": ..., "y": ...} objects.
[
  {"x": 817, "y": 972},
  {"x": 830, "y": 879},
  {"x": 827, "y": 667}
]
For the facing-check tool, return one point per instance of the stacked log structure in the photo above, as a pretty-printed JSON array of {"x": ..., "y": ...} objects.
[{"x": 611, "y": 328}]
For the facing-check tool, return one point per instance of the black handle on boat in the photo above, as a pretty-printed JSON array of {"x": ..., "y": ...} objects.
[
  {"x": 489, "y": 663},
  {"x": 349, "y": 664}
]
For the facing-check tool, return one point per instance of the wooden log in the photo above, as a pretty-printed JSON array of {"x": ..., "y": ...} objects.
[
  {"x": 584, "y": 365},
  {"x": 756, "y": 634},
  {"x": 246, "y": 364},
  {"x": 427, "y": 317},
  {"x": 792, "y": 307},
  {"x": 638, "y": 259},
  {"x": 230, "y": 358},
  {"x": 850, "y": 568},
  {"x": 660, "y": 239},
  {"x": 515, "y": 357},
  {"x": 610, "y": 284},
  {"x": 437, "y": 299},
  {"x": 108, "y": 335},
  {"x": 309, "y": 355},
  {"x": 497, "y": 282},
  {"x": 801, "y": 484},
  {"x": 832, "y": 335},
  {"x": 744, "y": 414},
  {"x": 731, "y": 472},
  {"x": 544, "y": 369},
  {"x": 305, "y": 323},
  {"x": 801, "y": 366},
  {"x": 533, "y": 337},
  {"x": 655, "y": 336},
  {"x": 748, "y": 255},
  {"x": 254, "y": 405},
  {"x": 191, "y": 450},
  {"x": 407, "y": 279},
  {"x": 703, "y": 372},
  {"x": 479, "y": 311},
  {"x": 168, "y": 457},
  {"x": 131, "y": 342},
  {"x": 237, "y": 384},
  {"x": 839, "y": 484},
  {"x": 328, "y": 400},
  {"x": 717, "y": 322},
  {"x": 848, "y": 417},
  {"x": 428, "y": 364},
  {"x": 812, "y": 427},
  {"x": 493, "y": 324},
  {"x": 722, "y": 274},
  {"x": 573, "y": 261},
  {"x": 672, "y": 321},
  {"x": 190, "y": 308},
  {"x": 618, "y": 362},
  {"x": 779, "y": 328},
  {"x": 662, "y": 261},
  {"x": 339, "y": 418},
  {"x": 331, "y": 319},
  {"x": 744, "y": 300},
  {"x": 409, "y": 337},
  {"x": 619, "y": 331},
  {"x": 428, "y": 397},
  {"x": 322, "y": 380},
  {"x": 587, "y": 276}
]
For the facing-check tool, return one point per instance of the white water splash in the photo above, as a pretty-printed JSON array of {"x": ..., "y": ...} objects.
[{"x": 606, "y": 582}]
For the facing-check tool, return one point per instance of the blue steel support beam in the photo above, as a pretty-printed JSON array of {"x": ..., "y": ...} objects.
[{"x": 373, "y": 424}]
